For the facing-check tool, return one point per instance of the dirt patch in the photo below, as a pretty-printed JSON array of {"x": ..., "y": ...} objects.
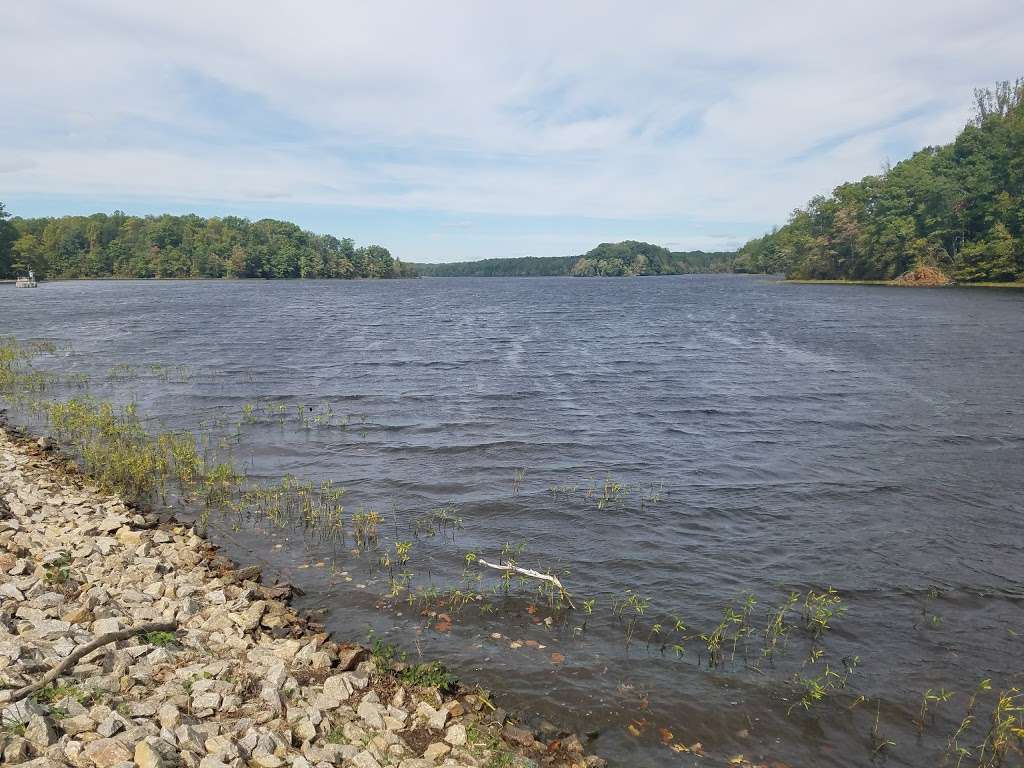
[{"x": 419, "y": 739}]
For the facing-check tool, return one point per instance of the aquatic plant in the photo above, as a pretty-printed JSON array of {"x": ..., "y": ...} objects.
[
  {"x": 777, "y": 630},
  {"x": 402, "y": 550},
  {"x": 517, "y": 480},
  {"x": 122, "y": 372},
  {"x": 930, "y": 618},
  {"x": 562, "y": 490},
  {"x": 928, "y": 698},
  {"x": 609, "y": 492},
  {"x": 879, "y": 742},
  {"x": 364, "y": 526},
  {"x": 815, "y": 688},
  {"x": 1005, "y": 731},
  {"x": 819, "y": 609},
  {"x": 953, "y": 746},
  {"x": 18, "y": 380}
]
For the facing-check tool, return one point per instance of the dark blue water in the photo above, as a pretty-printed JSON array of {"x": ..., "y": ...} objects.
[{"x": 770, "y": 438}]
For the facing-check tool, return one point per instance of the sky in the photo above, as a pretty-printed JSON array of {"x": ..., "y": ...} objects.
[{"x": 449, "y": 131}]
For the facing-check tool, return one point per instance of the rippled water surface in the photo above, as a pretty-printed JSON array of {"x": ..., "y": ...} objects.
[{"x": 770, "y": 438}]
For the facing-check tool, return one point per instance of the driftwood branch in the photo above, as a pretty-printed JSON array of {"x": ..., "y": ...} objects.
[
  {"x": 533, "y": 575},
  {"x": 79, "y": 653}
]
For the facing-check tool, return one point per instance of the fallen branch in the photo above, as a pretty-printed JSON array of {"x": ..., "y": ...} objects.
[
  {"x": 533, "y": 575},
  {"x": 79, "y": 653}
]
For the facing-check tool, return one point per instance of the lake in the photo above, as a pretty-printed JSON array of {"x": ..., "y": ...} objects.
[{"x": 671, "y": 447}]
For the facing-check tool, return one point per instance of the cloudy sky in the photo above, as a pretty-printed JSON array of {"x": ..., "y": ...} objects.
[{"x": 448, "y": 131}]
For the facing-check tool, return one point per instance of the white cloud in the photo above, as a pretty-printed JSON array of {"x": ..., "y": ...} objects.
[{"x": 731, "y": 114}]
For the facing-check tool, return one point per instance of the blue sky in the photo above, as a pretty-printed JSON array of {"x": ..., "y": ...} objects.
[{"x": 450, "y": 131}]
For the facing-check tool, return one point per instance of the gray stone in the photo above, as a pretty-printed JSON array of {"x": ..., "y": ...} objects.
[
  {"x": 155, "y": 753},
  {"x": 40, "y": 731},
  {"x": 206, "y": 701},
  {"x": 435, "y": 718},
  {"x": 73, "y": 726},
  {"x": 169, "y": 716},
  {"x": 106, "y": 753},
  {"x": 349, "y": 657},
  {"x": 190, "y": 739},
  {"x": 436, "y": 751},
  {"x": 249, "y": 619},
  {"x": 104, "y": 626},
  {"x": 365, "y": 760},
  {"x": 456, "y": 735},
  {"x": 372, "y": 714},
  {"x": 111, "y": 725},
  {"x": 337, "y": 689},
  {"x": 16, "y": 751},
  {"x": 517, "y": 735},
  {"x": 222, "y": 746},
  {"x": 304, "y": 730}
]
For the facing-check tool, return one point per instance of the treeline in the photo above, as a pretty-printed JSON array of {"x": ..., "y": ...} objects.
[
  {"x": 119, "y": 245},
  {"x": 958, "y": 208},
  {"x": 630, "y": 258},
  {"x": 623, "y": 259},
  {"x": 525, "y": 266}
]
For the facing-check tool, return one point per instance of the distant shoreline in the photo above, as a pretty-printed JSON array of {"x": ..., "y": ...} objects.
[{"x": 894, "y": 284}]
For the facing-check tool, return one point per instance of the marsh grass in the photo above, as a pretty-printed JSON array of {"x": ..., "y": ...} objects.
[{"x": 19, "y": 381}]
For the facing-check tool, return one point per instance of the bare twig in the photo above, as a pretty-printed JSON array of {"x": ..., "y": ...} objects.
[
  {"x": 533, "y": 575},
  {"x": 79, "y": 653}
]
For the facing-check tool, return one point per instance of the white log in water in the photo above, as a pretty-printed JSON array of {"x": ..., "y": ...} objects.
[{"x": 532, "y": 574}]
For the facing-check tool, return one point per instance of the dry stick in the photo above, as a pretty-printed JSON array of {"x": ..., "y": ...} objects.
[
  {"x": 75, "y": 656},
  {"x": 533, "y": 575}
]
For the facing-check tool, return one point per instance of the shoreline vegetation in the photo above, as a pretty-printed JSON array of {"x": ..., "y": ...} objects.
[
  {"x": 894, "y": 284},
  {"x": 919, "y": 277},
  {"x": 235, "y": 677},
  {"x": 138, "y": 247},
  {"x": 954, "y": 209},
  {"x": 629, "y": 258},
  {"x": 83, "y": 554}
]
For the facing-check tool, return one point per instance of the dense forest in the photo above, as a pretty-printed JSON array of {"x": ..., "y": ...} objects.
[
  {"x": 526, "y": 266},
  {"x": 118, "y": 245},
  {"x": 957, "y": 208},
  {"x": 633, "y": 258},
  {"x": 606, "y": 260}
]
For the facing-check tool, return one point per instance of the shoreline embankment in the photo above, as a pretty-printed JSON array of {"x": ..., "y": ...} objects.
[{"x": 195, "y": 662}]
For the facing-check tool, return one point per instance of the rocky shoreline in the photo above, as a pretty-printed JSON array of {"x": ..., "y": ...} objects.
[{"x": 242, "y": 680}]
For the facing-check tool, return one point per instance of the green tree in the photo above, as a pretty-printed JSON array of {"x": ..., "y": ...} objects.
[
  {"x": 8, "y": 236},
  {"x": 959, "y": 207}
]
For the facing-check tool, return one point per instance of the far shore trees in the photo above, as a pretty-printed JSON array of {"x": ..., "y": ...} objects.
[
  {"x": 119, "y": 245},
  {"x": 958, "y": 208}
]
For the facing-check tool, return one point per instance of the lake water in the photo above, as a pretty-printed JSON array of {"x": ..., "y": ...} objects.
[{"x": 769, "y": 438}]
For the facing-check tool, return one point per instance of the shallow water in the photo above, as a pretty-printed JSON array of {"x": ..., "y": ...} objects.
[{"x": 771, "y": 438}]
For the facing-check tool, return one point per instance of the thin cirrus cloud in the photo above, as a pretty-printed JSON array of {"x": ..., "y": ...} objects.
[{"x": 453, "y": 130}]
